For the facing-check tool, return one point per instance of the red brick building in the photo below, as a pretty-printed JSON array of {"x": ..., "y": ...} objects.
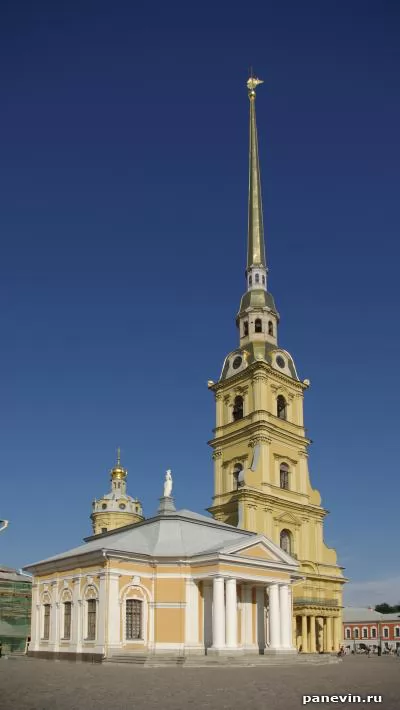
[{"x": 364, "y": 627}]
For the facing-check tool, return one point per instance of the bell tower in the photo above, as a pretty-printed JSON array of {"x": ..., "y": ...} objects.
[{"x": 260, "y": 448}]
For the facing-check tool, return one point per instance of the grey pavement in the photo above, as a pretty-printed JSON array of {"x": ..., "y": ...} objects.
[{"x": 31, "y": 684}]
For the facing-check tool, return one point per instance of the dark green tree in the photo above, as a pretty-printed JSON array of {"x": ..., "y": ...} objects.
[{"x": 385, "y": 608}]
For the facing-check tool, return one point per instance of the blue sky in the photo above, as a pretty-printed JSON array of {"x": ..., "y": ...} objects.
[{"x": 123, "y": 209}]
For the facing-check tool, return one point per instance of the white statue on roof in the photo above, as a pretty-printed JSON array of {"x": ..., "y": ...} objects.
[{"x": 168, "y": 484}]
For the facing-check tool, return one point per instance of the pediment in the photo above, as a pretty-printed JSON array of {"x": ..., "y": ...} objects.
[
  {"x": 259, "y": 548},
  {"x": 258, "y": 551},
  {"x": 288, "y": 519}
]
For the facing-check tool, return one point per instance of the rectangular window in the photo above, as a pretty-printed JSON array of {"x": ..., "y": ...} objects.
[
  {"x": 67, "y": 620},
  {"x": 46, "y": 622},
  {"x": 91, "y": 619},
  {"x": 133, "y": 619},
  {"x": 365, "y": 633},
  {"x": 373, "y": 633}
]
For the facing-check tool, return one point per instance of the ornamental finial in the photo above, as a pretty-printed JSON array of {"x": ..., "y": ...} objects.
[
  {"x": 251, "y": 85},
  {"x": 118, "y": 457}
]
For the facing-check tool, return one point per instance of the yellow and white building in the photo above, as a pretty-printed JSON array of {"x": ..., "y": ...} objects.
[{"x": 178, "y": 583}]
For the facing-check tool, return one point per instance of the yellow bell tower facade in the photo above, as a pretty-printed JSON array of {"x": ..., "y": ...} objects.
[{"x": 260, "y": 449}]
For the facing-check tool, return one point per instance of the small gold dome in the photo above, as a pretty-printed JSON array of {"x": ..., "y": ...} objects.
[{"x": 118, "y": 472}]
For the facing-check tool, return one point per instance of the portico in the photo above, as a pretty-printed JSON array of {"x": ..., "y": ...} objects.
[{"x": 236, "y": 602}]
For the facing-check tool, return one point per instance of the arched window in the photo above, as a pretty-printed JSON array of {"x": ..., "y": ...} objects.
[
  {"x": 257, "y": 278},
  {"x": 250, "y": 280},
  {"x": 385, "y": 632},
  {"x": 238, "y": 475},
  {"x": 270, "y": 327},
  {"x": 348, "y": 633},
  {"x": 91, "y": 619},
  {"x": 46, "y": 621},
  {"x": 286, "y": 541},
  {"x": 284, "y": 476},
  {"x": 281, "y": 407},
  {"x": 134, "y": 619},
  {"x": 263, "y": 280},
  {"x": 246, "y": 328},
  {"x": 364, "y": 632},
  {"x": 373, "y": 632},
  {"x": 258, "y": 325},
  {"x": 356, "y": 633},
  {"x": 237, "y": 408},
  {"x": 67, "y": 620}
]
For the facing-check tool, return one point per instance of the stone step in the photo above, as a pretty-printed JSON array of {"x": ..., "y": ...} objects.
[{"x": 193, "y": 661}]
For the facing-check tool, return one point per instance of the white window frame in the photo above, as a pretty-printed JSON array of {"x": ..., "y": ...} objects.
[
  {"x": 347, "y": 633},
  {"x": 90, "y": 593},
  {"x": 385, "y": 632},
  {"x": 356, "y": 637},
  {"x": 139, "y": 593},
  {"x": 397, "y": 632},
  {"x": 373, "y": 632},
  {"x": 364, "y": 632}
]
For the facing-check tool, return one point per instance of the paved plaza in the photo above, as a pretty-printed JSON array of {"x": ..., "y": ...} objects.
[{"x": 30, "y": 684}]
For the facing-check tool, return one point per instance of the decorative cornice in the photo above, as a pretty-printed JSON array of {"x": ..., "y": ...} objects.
[{"x": 217, "y": 454}]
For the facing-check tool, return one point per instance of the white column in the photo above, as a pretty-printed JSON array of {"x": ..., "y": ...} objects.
[
  {"x": 218, "y": 613},
  {"x": 274, "y": 617},
  {"x": 231, "y": 613},
  {"x": 76, "y": 620},
  {"x": 192, "y": 613},
  {"x": 207, "y": 615},
  {"x": 247, "y": 617},
  {"x": 113, "y": 617},
  {"x": 260, "y": 596},
  {"x": 285, "y": 616}
]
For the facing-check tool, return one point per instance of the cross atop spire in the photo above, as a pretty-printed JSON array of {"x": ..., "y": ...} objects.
[{"x": 256, "y": 246}]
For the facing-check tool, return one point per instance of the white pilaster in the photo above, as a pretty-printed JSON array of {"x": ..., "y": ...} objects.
[
  {"x": 218, "y": 613},
  {"x": 260, "y": 596},
  {"x": 76, "y": 621},
  {"x": 285, "y": 616},
  {"x": 54, "y": 617},
  {"x": 101, "y": 615},
  {"x": 231, "y": 613},
  {"x": 113, "y": 617},
  {"x": 274, "y": 617}
]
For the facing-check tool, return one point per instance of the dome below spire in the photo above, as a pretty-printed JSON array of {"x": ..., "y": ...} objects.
[{"x": 117, "y": 508}]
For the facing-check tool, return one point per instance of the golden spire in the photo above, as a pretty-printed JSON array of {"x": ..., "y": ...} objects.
[
  {"x": 256, "y": 246},
  {"x": 118, "y": 471}
]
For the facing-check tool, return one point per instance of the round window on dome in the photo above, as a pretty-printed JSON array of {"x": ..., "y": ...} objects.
[
  {"x": 104, "y": 506},
  {"x": 280, "y": 361},
  {"x": 122, "y": 506}
]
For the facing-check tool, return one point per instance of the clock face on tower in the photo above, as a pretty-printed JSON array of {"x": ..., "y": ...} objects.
[{"x": 237, "y": 362}]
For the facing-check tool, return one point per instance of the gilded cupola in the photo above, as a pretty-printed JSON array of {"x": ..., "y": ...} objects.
[{"x": 116, "y": 508}]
